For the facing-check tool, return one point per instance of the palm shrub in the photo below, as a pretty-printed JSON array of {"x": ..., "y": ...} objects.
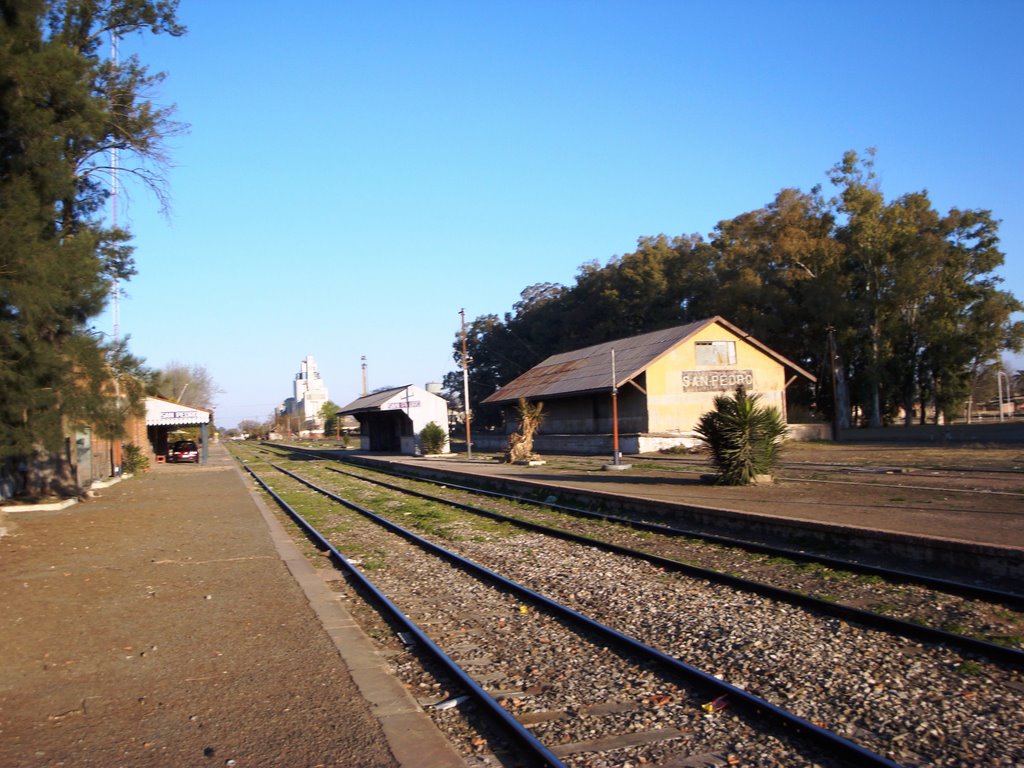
[
  {"x": 743, "y": 436},
  {"x": 432, "y": 438}
]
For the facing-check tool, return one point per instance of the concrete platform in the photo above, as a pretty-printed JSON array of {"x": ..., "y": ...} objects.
[{"x": 171, "y": 621}]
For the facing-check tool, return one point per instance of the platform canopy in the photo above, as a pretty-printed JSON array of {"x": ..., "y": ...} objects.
[{"x": 164, "y": 413}]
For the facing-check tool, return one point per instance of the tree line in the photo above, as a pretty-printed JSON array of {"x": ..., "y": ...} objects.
[{"x": 894, "y": 303}]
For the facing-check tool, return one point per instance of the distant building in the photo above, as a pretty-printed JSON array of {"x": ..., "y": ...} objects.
[
  {"x": 301, "y": 412},
  {"x": 392, "y": 419}
]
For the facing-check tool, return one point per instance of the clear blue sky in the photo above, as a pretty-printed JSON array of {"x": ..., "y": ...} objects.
[{"x": 355, "y": 173}]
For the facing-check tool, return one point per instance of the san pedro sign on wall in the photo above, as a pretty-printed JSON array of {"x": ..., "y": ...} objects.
[
  {"x": 163, "y": 413},
  {"x": 716, "y": 381}
]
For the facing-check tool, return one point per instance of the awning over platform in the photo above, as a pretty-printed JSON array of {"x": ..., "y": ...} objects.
[{"x": 164, "y": 413}]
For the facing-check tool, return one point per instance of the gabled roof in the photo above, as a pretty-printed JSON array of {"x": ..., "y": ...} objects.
[
  {"x": 165, "y": 413},
  {"x": 372, "y": 401},
  {"x": 590, "y": 369}
]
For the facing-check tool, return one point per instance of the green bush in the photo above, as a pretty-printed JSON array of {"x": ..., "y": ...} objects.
[
  {"x": 744, "y": 437},
  {"x": 432, "y": 438},
  {"x": 134, "y": 460}
]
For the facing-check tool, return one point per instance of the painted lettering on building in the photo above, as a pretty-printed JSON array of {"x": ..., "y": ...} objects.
[
  {"x": 716, "y": 381},
  {"x": 402, "y": 404},
  {"x": 185, "y": 416}
]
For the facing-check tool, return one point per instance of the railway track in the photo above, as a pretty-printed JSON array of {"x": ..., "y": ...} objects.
[
  {"x": 559, "y": 672},
  {"x": 928, "y": 517},
  {"x": 598, "y": 535},
  {"x": 987, "y": 616},
  {"x": 738, "y": 637}
]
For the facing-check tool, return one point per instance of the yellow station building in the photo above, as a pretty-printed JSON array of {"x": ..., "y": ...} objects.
[{"x": 664, "y": 381}]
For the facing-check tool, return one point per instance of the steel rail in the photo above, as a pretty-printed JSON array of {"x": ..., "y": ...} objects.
[
  {"x": 889, "y": 624},
  {"x": 1011, "y": 599},
  {"x": 754, "y": 706},
  {"x": 526, "y": 740}
]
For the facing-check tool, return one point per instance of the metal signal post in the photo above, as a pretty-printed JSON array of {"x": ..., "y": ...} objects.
[{"x": 616, "y": 455}]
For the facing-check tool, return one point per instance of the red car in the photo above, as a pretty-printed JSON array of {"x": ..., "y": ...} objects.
[{"x": 183, "y": 450}]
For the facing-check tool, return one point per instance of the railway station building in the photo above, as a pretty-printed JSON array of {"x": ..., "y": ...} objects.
[
  {"x": 664, "y": 380},
  {"x": 391, "y": 420},
  {"x": 165, "y": 417}
]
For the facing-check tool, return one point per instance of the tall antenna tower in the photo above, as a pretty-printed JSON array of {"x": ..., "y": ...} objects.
[{"x": 114, "y": 161}]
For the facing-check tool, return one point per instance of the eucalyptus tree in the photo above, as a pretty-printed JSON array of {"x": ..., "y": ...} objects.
[
  {"x": 927, "y": 310},
  {"x": 633, "y": 294},
  {"x": 778, "y": 275},
  {"x": 536, "y": 327},
  {"x": 912, "y": 309},
  {"x": 978, "y": 316},
  {"x": 866, "y": 241}
]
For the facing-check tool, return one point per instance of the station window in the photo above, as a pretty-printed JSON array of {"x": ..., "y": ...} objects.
[{"x": 716, "y": 353}]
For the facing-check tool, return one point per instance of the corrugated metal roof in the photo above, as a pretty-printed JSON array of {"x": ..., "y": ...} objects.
[
  {"x": 372, "y": 401},
  {"x": 590, "y": 369}
]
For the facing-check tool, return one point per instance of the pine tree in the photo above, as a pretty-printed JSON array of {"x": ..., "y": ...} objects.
[{"x": 62, "y": 109}]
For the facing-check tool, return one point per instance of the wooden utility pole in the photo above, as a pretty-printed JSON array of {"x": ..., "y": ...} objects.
[{"x": 465, "y": 386}]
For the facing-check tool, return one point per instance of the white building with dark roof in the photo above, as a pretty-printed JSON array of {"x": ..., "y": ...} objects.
[{"x": 391, "y": 420}]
